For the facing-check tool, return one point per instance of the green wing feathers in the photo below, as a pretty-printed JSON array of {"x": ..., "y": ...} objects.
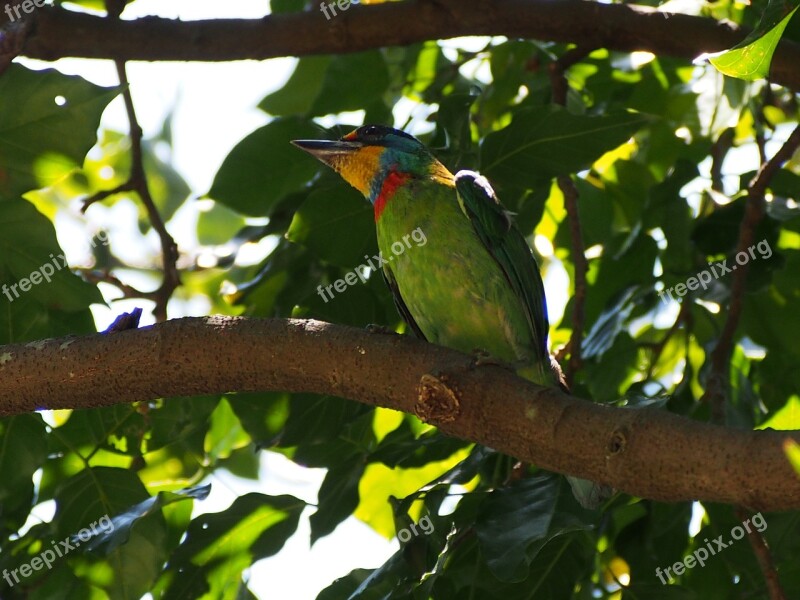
[{"x": 508, "y": 247}]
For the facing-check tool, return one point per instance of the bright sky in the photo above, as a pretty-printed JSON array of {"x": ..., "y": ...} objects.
[{"x": 215, "y": 107}]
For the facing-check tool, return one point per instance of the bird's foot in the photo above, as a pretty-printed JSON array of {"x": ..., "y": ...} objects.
[
  {"x": 382, "y": 329},
  {"x": 481, "y": 358}
]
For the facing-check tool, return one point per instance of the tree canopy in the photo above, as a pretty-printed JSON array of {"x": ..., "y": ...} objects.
[{"x": 648, "y": 154}]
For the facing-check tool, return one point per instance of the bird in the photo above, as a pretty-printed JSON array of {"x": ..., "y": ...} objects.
[{"x": 475, "y": 285}]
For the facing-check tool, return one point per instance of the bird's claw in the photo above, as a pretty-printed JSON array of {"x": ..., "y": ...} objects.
[
  {"x": 382, "y": 329},
  {"x": 481, "y": 358}
]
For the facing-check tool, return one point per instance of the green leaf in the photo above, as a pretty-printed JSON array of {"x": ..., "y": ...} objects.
[
  {"x": 297, "y": 95},
  {"x": 218, "y": 547},
  {"x": 48, "y": 122},
  {"x": 751, "y": 58},
  {"x": 338, "y": 495},
  {"x": 352, "y": 81},
  {"x": 36, "y": 288},
  {"x": 97, "y": 493},
  {"x": 23, "y": 450},
  {"x": 336, "y": 224},
  {"x": 786, "y": 418},
  {"x": 119, "y": 529},
  {"x": 541, "y": 143},
  {"x": 264, "y": 168},
  {"x": 322, "y": 85},
  {"x": 519, "y": 520}
]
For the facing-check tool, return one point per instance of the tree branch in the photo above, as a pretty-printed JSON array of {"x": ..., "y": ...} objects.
[
  {"x": 646, "y": 452},
  {"x": 560, "y": 88},
  {"x": 59, "y": 33},
  {"x": 718, "y": 378}
]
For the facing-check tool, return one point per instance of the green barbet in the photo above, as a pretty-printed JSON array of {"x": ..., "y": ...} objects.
[{"x": 475, "y": 284}]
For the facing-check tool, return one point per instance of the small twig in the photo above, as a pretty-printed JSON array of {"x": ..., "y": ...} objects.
[
  {"x": 128, "y": 291},
  {"x": 719, "y": 150},
  {"x": 137, "y": 182},
  {"x": 754, "y": 212},
  {"x": 139, "y": 179},
  {"x": 558, "y": 69},
  {"x": 560, "y": 86},
  {"x": 763, "y": 557},
  {"x": 127, "y": 186}
]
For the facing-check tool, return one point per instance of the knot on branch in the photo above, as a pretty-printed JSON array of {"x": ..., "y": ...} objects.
[
  {"x": 437, "y": 400},
  {"x": 617, "y": 441}
]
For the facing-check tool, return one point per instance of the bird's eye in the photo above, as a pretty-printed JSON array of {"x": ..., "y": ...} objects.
[{"x": 371, "y": 130}]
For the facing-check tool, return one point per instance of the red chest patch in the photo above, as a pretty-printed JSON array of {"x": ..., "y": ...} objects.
[{"x": 393, "y": 181}]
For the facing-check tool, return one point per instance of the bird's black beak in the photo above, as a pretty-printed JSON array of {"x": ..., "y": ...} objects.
[{"x": 327, "y": 151}]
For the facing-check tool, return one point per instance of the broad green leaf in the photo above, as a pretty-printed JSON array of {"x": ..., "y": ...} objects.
[
  {"x": 785, "y": 419},
  {"x": 23, "y": 449},
  {"x": 336, "y": 224},
  {"x": 297, "y": 95},
  {"x": 48, "y": 122},
  {"x": 544, "y": 142},
  {"x": 318, "y": 419},
  {"x": 352, "y": 82},
  {"x": 751, "y": 58},
  {"x": 338, "y": 495},
  {"x": 119, "y": 526},
  {"x": 322, "y": 85},
  {"x": 225, "y": 433},
  {"x": 264, "y": 167},
  {"x": 37, "y": 290},
  {"x": 515, "y": 518},
  {"x": 608, "y": 325},
  {"x": 218, "y": 547},
  {"x": 88, "y": 501}
]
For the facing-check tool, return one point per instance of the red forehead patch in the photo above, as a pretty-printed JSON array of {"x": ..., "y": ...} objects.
[{"x": 351, "y": 136}]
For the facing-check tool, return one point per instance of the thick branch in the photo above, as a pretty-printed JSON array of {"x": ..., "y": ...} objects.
[
  {"x": 622, "y": 27},
  {"x": 648, "y": 453}
]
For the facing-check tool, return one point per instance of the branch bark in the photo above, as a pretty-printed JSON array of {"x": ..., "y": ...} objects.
[
  {"x": 644, "y": 452},
  {"x": 59, "y": 33}
]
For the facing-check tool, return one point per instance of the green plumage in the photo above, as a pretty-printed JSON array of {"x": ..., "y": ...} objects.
[{"x": 474, "y": 283}]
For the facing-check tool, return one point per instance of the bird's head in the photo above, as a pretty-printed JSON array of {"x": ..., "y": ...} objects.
[{"x": 368, "y": 156}]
